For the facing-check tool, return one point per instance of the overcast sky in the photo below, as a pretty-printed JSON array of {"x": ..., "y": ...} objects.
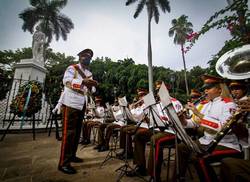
[{"x": 108, "y": 27}]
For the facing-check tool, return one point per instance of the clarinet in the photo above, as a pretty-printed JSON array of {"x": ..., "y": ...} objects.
[{"x": 219, "y": 135}]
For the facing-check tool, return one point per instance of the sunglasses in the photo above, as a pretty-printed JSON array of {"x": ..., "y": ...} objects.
[
  {"x": 236, "y": 88},
  {"x": 208, "y": 86},
  {"x": 194, "y": 96}
]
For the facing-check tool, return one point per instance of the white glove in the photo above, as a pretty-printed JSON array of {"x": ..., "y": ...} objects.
[{"x": 57, "y": 109}]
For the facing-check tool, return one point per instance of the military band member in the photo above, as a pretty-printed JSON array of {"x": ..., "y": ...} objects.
[
  {"x": 77, "y": 82},
  {"x": 119, "y": 121},
  {"x": 237, "y": 170},
  {"x": 127, "y": 131},
  {"x": 102, "y": 139},
  {"x": 238, "y": 90},
  {"x": 212, "y": 115},
  {"x": 97, "y": 119},
  {"x": 144, "y": 135}
]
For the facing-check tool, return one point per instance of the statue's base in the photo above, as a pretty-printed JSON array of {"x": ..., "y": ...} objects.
[{"x": 30, "y": 69}]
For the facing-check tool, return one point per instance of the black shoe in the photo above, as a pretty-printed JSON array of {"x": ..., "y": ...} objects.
[
  {"x": 138, "y": 171},
  {"x": 67, "y": 169},
  {"x": 76, "y": 160},
  {"x": 97, "y": 147},
  {"x": 103, "y": 148}
]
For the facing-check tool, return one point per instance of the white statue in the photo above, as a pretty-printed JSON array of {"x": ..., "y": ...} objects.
[{"x": 38, "y": 45}]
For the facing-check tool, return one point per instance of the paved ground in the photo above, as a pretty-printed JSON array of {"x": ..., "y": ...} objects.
[{"x": 25, "y": 160}]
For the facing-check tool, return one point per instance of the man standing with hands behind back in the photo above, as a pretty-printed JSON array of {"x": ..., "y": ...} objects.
[{"x": 77, "y": 82}]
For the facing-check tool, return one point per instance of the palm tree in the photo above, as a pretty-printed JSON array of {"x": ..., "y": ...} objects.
[
  {"x": 181, "y": 29},
  {"x": 46, "y": 14},
  {"x": 153, "y": 11}
]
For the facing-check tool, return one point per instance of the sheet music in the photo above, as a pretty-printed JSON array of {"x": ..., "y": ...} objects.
[
  {"x": 164, "y": 95},
  {"x": 149, "y": 99},
  {"x": 168, "y": 106},
  {"x": 122, "y": 101}
]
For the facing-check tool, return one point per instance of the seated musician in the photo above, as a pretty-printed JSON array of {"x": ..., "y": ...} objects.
[
  {"x": 212, "y": 116},
  {"x": 118, "y": 121},
  {"x": 237, "y": 170},
  {"x": 98, "y": 117},
  {"x": 127, "y": 131},
  {"x": 238, "y": 91},
  {"x": 146, "y": 134},
  {"x": 197, "y": 99},
  {"x": 160, "y": 139},
  {"x": 102, "y": 143}
]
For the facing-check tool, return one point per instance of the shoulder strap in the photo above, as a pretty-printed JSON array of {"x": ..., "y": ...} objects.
[{"x": 79, "y": 71}]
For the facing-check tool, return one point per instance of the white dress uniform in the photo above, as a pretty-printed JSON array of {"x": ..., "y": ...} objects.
[
  {"x": 71, "y": 97},
  {"x": 216, "y": 114}
]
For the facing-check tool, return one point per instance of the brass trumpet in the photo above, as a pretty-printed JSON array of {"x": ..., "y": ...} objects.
[{"x": 186, "y": 112}]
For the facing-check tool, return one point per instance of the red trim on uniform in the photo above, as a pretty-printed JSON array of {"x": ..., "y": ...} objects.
[
  {"x": 76, "y": 86},
  {"x": 164, "y": 118},
  {"x": 227, "y": 100},
  {"x": 209, "y": 123},
  {"x": 64, "y": 135},
  {"x": 221, "y": 152},
  {"x": 203, "y": 167}
]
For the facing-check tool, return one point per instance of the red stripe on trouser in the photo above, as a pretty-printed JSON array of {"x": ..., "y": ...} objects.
[
  {"x": 203, "y": 167},
  {"x": 64, "y": 135},
  {"x": 158, "y": 143},
  {"x": 220, "y": 152},
  {"x": 157, "y": 147},
  {"x": 214, "y": 153}
]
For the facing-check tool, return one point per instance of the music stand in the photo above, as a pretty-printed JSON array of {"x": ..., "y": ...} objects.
[
  {"x": 155, "y": 121},
  {"x": 112, "y": 151},
  {"x": 125, "y": 167},
  {"x": 176, "y": 125}
]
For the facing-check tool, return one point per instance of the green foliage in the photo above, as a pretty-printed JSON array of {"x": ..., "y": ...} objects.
[
  {"x": 46, "y": 14},
  {"x": 234, "y": 17},
  {"x": 121, "y": 77},
  {"x": 5, "y": 80},
  {"x": 152, "y": 7}
]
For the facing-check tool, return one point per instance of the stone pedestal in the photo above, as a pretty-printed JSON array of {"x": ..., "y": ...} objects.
[{"x": 30, "y": 69}]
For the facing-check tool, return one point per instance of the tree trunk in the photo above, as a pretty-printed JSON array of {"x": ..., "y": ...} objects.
[
  {"x": 185, "y": 69},
  {"x": 150, "y": 68}
]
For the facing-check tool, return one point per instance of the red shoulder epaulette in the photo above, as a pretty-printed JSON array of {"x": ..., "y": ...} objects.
[
  {"x": 204, "y": 102},
  {"x": 75, "y": 66},
  {"x": 173, "y": 99},
  {"x": 227, "y": 99}
]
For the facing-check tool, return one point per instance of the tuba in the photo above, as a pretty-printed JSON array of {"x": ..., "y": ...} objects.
[{"x": 235, "y": 64}]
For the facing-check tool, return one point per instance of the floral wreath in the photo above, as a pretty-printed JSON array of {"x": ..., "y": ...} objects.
[{"x": 28, "y": 100}]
